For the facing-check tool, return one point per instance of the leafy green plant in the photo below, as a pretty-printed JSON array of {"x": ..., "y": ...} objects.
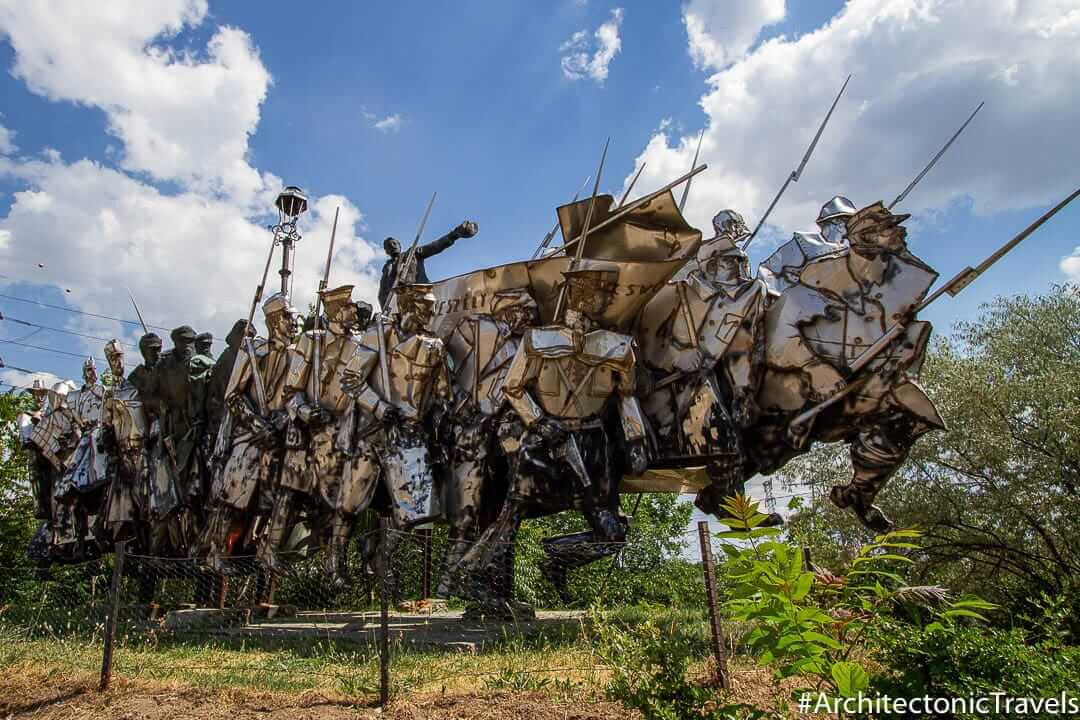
[
  {"x": 650, "y": 668},
  {"x": 819, "y": 624}
]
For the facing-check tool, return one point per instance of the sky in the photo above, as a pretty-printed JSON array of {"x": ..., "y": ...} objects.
[{"x": 142, "y": 144}]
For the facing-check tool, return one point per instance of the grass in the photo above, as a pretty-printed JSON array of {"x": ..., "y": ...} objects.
[{"x": 557, "y": 660}]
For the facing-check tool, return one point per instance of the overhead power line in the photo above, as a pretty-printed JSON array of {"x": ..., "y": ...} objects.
[
  {"x": 62, "y": 330},
  {"x": 52, "y": 350},
  {"x": 81, "y": 312}
]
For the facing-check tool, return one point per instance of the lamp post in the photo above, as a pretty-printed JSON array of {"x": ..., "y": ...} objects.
[{"x": 291, "y": 204}]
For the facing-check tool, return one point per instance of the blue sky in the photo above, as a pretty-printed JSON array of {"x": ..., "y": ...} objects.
[{"x": 487, "y": 116}]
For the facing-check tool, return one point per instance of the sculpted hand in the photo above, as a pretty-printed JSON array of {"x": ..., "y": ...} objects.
[
  {"x": 352, "y": 383},
  {"x": 638, "y": 458},
  {"x": 466, "y": 229}
]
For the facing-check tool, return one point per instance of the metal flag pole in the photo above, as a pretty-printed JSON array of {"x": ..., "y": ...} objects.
[
  {"x": 633, "y": 182},
  {"x": 933, "y": 161},
  {"x": 797, "y": 172},
  {"x": 146, "y": 330},
  {"x": 555, "y": 228},
  {"x": 585, "y": 231}
]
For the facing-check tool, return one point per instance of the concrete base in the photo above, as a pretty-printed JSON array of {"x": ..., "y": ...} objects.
[{"x": 205, "y": 619}]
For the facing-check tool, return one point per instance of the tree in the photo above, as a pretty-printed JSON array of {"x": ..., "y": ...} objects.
[
  {"x": 17, "y": 522},
  {"x": 998, "y": 493}
]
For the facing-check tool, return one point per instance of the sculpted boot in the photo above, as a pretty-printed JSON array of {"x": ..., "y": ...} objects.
[{"x": 337, "y": 571}]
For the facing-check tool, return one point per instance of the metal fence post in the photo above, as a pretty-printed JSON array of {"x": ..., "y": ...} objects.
[
  {"x": 714, "y": 612},
  {"x": 425, "y": 576},
  {"x": 114, "y": 609},
  {"x": 384, "y": 606}
]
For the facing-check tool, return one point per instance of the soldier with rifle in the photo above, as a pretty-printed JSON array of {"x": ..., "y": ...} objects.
[
  {"x": 317, "y": 407},
  {"x": 252, "y": 437},
  {"x": 399, "y": 380}
]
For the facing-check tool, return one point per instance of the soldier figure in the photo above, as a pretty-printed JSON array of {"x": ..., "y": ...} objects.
[
  {"x": 126, "y": 429},
  {"x": 204, "y": 343},
  {"x": 842, "y": 304},
  {"x": 781, "y": 269},
  {"x": 252, "y": 437},
  {"x": 81, "y": 487},
  {"x": 317, "y": 407},
  {"x": 54, "y": 439},
  {"x": 409, "y": 268},
  {"x": 710, "y": 320},
  {"x": 481, "y": 348},
  {"x": 400, "y": 381},
  {"x": 219, "y": 378},
  {"x": 560, "y": 384}
]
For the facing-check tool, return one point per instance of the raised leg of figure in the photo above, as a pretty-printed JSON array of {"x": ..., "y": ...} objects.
[
  {"x": 482, "y": 567},
  {"x": 462, "y": 503},
  {"x": 876, "y": 453},
  {"x": 566, "y": 552}
]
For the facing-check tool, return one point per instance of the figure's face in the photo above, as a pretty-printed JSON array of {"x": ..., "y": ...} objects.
[
  {"x": 185, "y": 349},
  {"x": 90, "y": 375},
  {"x": 203, "y": 347},
  {"x": 589, "y": 298},
  {"x": 835, "y": 230},
  {"x": 116, "y": 364},
  {"x": 727, "y": 268},
  {"x": 392, "y": 247},
  {"x": 880, "y": 241},
  {"x": 346, "y": 316},
  {"x": 150, "y": 354},
  {"x": 283, "y": 326}
]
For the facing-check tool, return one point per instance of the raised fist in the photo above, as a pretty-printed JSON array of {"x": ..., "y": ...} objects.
[{"x": 466, "y": 229}]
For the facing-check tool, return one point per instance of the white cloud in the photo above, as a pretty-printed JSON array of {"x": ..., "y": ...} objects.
[
  {"x": 187, "y": 258},
  {"x": 389, "y": 124},
  {"x": 191, "y": 256},
  {"x": 7, "y": 144},
  {"x": 920, "y": 67},
  {"x": 22, "y": 380},
  {"x": 578, "y": 63},
  {"x": 721, "y": 31},
  {"x": 181, "y": 115},
  {"x": 1070, "y": 265}
]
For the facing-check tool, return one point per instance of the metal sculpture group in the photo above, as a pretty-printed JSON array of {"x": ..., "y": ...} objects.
[{"x": 636, "y": 358}]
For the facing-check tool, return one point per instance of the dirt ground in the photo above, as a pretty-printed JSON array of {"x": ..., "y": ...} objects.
[{"x": 54, "y": 697}]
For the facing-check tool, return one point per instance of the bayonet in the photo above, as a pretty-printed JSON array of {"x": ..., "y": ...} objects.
[
  {"x": 384, "y": 367},
  {"x": 317, "y": 342},
  {"x": 408, "y": 263},
  {"x": 631, "y": 187},
  {"x": 146, "y": 330},
  {"x": 249, "y": 347},
  {"x": 797, "y": 172},
  {"x": 686, "y": 190},
  {"x": 901, "y": 196},
  {"x": 954, "y": 287},
  {"x": 555, "y": 228}
]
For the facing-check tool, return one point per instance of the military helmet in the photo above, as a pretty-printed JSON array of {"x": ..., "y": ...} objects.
[
  {"x": 59, "y": 392},
  {"x": 729, "y": 222},
  {"x": 184, "y": 333},
  {"x": 335, "y": 298},
  {"x": 149, "y": 340},
  {"x": 89, "y": 364},
  {"x": 277, "y": 303},
  {"x": 113, "y": 348},
  {"x": 838, "y": 207}
]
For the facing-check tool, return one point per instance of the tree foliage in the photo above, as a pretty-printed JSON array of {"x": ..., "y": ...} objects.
[
  {"x": 17, "y": 522},
  {"x": 998, "y": 493}
]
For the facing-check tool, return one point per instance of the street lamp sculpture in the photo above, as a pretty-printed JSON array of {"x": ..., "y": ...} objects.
[{"x": 291, "y": 204}]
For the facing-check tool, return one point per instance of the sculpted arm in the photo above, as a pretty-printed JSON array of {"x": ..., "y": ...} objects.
[
  {"x": 522, "y": 370},
  {"x": 630, "y": 412}
]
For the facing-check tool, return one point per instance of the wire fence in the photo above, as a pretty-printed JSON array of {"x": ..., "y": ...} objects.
[{"x": 405, "y": 611}]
